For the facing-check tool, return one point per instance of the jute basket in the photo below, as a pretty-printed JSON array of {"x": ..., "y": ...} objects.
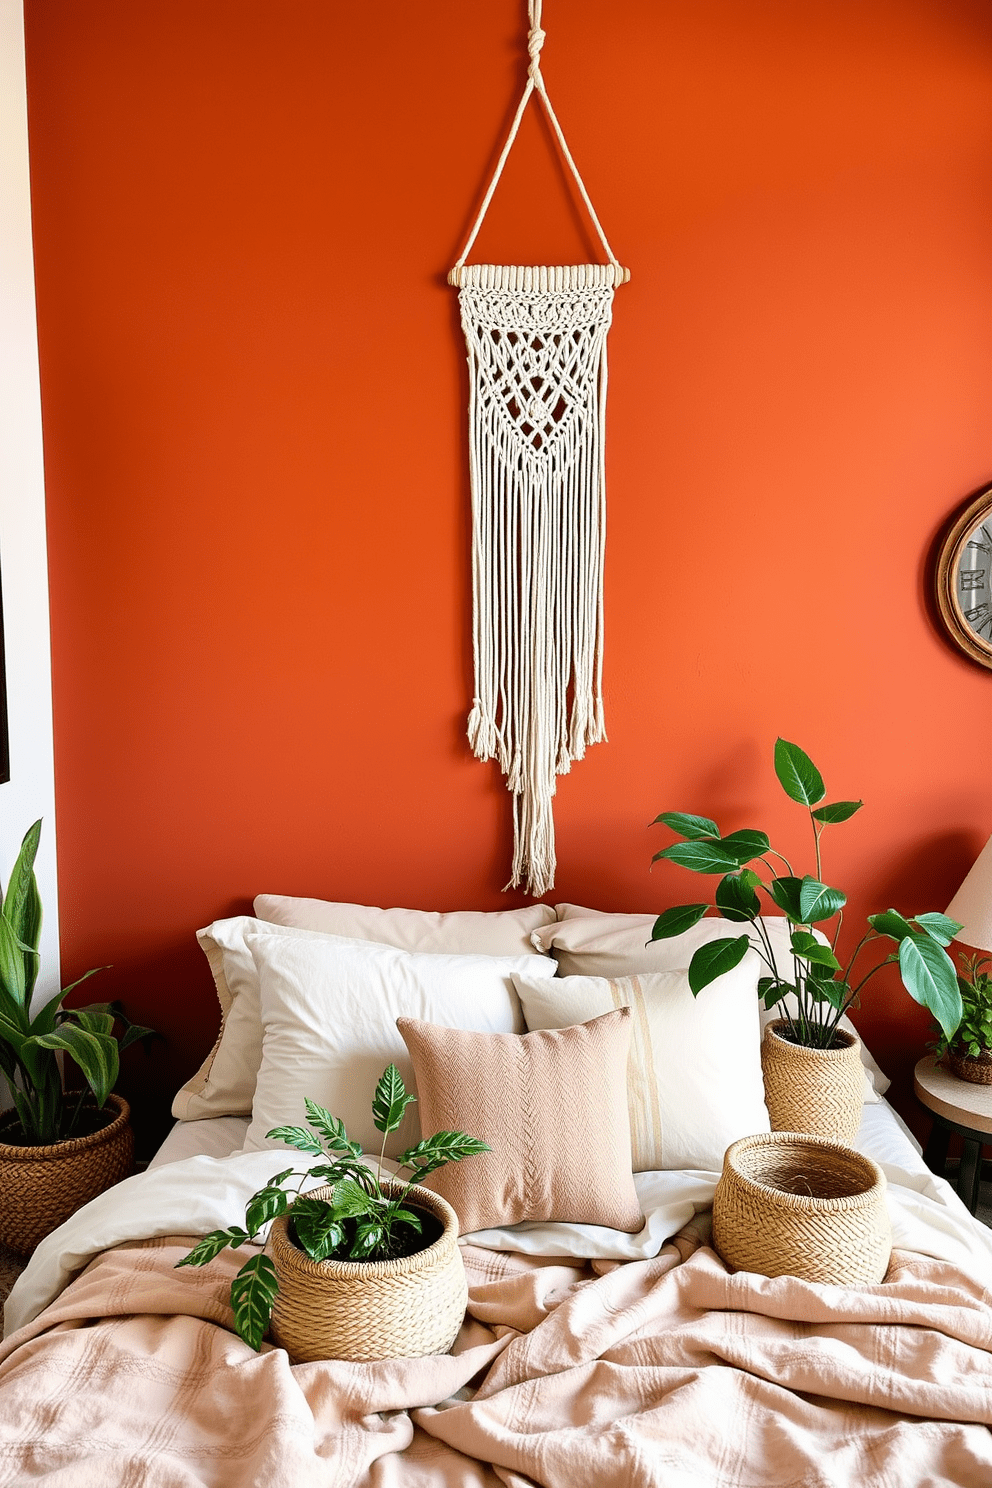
[
  {"x": 367, "y": 1310},
  {"x": 975, "y": 1068},
  {"x": 41, "y": 1186},
  {"x": 818, "y": 1091},
  {"x": 788, "y": 1204}
]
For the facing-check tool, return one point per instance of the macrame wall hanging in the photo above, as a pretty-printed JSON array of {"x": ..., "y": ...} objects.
[{"x": 537, "y": 405}]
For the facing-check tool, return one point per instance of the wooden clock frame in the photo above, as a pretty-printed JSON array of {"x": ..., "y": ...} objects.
[{"x": 976, "y": 514}]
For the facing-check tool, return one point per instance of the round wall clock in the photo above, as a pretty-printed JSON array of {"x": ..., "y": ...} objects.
[{"x": 964, "y": 579}]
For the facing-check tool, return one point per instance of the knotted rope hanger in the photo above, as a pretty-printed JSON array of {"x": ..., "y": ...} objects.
[{"x": 536, "y": 339}]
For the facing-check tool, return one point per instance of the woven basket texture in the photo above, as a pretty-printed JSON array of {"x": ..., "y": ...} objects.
[
  {"x": 367, "y": 1310},
  {"x": 41, "y": 1186},
  {"x": 818, "y": 1091},
  {"x": 975, "y": 1068},
  {"x": 788, "y": 1204}
]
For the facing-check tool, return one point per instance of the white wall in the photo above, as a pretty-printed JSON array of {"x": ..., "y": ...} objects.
[{"x": 30, "y": 792}]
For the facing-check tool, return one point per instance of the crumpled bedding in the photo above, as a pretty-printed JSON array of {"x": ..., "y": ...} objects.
[{"x": 667, "y": 1371}]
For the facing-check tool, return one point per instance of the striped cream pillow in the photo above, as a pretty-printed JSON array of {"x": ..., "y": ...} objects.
[{"x": 694, "y": 1071}]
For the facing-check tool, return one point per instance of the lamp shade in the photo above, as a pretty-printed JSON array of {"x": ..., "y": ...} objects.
[{"x": 972, "y": 904}]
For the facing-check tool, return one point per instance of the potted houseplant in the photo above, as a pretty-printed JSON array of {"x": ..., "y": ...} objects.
[
  {"x": 814, "y": 990},
  {"x": 969, "y": 1053},
  {"x": 59, "y": 1147},
  {"x": 366, "y": 1266}
]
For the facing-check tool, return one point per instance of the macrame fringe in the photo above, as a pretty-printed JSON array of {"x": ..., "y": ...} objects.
[{"x": 537, "y": 368}]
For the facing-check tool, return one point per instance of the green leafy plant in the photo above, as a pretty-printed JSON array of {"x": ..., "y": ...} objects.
[
  {"x": 747, "y": 867},
  {"x": 973, "y": 1036},
  {"x": 30, "y": 1044},
  {"x": 359, "y": 1222}
]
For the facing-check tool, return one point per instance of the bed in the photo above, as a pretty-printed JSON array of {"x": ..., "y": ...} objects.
[{"x": 589, "y": 1355}]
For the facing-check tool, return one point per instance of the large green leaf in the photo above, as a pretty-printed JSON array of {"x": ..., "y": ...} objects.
[
  {"x": 390, "y": 1100},
  {"x": 253, "y": 1292},
  {"x": 891, "y": 923},
  {"x": 818, "y": 902},
  {"x": 677, "y": 920},
  {"x": 265, "y": 1205},
  {"x": 786, "y": 892},
  {"x": 813, "y": 950},
  {"x": 714, "y": 960},
  {"x": 95, "y": 1053},
  {"x": 331, "y": 1128},
  {"x": 18, "y": 910},
  {"x": 839, "y": 811},
  {"x": 827, "y": 989},
  {"x": 797, "y": 774},
  {"x": 940, "y": 927},
  {"x": 437, "y": 1151},
  {"x": 12, "y": 976},
  {"x": 296, "y": 1136},
  {"x": 317, "y": 1228},
  {"x": 735, "y": 896},
  {"x": 211, "y": 1245},
  {"x": 746, "y": 844},
  {"x": 351, "y": 1200},
  {"x": 688, "y": 826},
  {"x": 700, "y": 857},
  {"x": 928, "y": 975}
]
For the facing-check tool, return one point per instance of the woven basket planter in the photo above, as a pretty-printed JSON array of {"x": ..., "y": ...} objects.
[
  {"x": 793, "y": 1205},
  {"x": 41, "y": 1186},
  {"x": 975, "y": 1068},
  {"x": 817, "y": 1091},
  {"x": 367, "y": 1310}
]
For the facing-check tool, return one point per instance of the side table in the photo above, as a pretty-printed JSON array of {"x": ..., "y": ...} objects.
[{"x": 958, "y": 1107}]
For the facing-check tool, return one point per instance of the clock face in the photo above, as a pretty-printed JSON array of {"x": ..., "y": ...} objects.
[{"x": 964, "y": 580}]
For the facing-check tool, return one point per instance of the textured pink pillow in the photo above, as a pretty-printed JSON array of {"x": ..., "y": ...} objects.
[{"x": 552, "y": 1105}]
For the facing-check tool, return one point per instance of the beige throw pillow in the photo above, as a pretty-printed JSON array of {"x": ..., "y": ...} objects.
[
  {"x": 553, "y": 1107},
  {"x": 504, "y": 932},
  {"x": 694, "y": 1080}
]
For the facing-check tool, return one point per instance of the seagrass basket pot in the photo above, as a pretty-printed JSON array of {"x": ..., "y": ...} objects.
[
  {"x": 367, "y": 1310},
  {"x": 818, "y": 1091},
  {"x": 788, "y": 1204},
  {"x": 41, "y": 1186},
  {"x": 975, "y": 1068}
]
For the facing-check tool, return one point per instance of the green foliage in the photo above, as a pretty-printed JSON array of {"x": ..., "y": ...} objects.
[
  {"x": 973, "y": 1034},
  {"x": 359, "y": 1222},
  {"x": 819, "y": 988},
  {"x": 31, "y": 1042}
]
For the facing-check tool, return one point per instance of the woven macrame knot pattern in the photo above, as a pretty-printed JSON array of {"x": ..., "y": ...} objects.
[{"x": 537, "y": 360}]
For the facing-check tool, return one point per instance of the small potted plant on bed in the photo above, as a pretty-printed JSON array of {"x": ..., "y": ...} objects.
[
  {"x": 58, "y": 1147},
  {"x": 812, "y": 1068},
  {"x": 365, "y": 1267},
  {"x": 969, "y": 1053}
]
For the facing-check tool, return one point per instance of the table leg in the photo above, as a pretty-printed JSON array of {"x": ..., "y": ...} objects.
[
  {"x": 970, "y": 1172},
  {"x": 935, "y": 1152}
]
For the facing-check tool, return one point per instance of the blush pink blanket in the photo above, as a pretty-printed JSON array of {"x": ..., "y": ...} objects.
[{"x": 670, "y": 1372}]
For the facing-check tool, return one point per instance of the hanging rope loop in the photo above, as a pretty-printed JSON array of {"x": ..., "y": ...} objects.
[{"x": 535, "y": 83}]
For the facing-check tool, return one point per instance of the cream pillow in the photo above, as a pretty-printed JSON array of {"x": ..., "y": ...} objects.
[
  {"x": 225, "y": 1083},
  {"x": 694, "y": 1080},
  {"x": 329, "y": 1008},
  {"x": 589, "y": 942},
  {"x": 504, "y": 932},
  {"x": 553, "y": 1107}
]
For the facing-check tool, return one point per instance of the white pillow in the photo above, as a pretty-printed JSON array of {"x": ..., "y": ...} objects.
[
  {"x": 503, "y": 932},
  {"x": 694, "y": 1080},
  {"x": 588, "y": 942},
  {"x": 329, "y": 1008},
  {"x": 225, "y": 1083}
]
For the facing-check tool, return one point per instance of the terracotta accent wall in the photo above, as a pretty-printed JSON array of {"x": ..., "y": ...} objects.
[{"x": 254, "y": 403}]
